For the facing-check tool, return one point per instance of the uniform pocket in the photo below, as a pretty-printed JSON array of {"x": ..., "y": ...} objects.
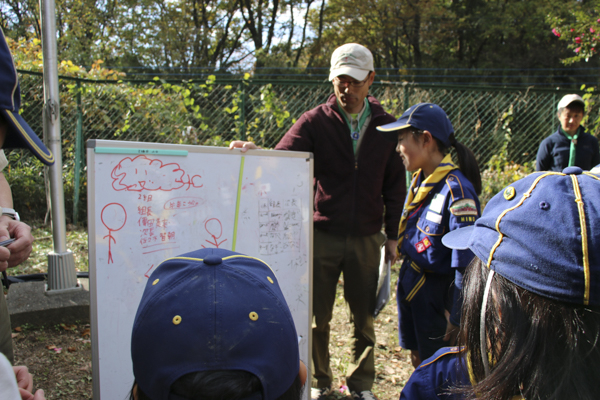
[{"x": 430, "y": 228}]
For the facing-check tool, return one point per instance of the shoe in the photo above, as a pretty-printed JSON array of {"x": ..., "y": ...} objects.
[
  {"x": 320, "y": 394},
  {"x": 364, "y": 395}
]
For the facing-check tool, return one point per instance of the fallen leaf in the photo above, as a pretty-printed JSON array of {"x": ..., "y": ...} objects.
[
  {"x": 71, "y": 349},
  {"x": 86, "y": 332},
  {"x": 58, "y": 350},
  {"x": 389, "y": 370},
  {"x": 18, "y": 329},
  {"x": 86, "y": 367},
  {"x": 14, "y": 335},
  {"x": 68, "y": 327},
  {"x": 50, "y": 347}
]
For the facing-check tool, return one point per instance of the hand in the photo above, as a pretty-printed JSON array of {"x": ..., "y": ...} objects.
[
  {"x": 25, "y": 395},
  {"x": 19, "y": 250},
  {"x": 240, "y": 144},
  {"x": 24, "y": 378},
  {"x": 390, "y": 251}
]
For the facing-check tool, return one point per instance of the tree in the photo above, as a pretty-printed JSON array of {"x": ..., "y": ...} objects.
[{"x": 577, "y": 23}]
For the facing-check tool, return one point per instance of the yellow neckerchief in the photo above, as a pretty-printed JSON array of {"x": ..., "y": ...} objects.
[{"x": 412, "y": 200}]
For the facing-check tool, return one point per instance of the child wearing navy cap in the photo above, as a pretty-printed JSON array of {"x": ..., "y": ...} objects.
[
  {"x": 531, "y": 313},
  {"x": 213, "y": 324},
  {"x": 442, "y": 197}
]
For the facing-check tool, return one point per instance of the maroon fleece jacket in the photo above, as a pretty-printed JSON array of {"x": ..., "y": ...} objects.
[{"x": 350, "y": 192}]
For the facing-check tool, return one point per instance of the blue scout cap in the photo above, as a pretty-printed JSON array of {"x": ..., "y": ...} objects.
[
  {"x": 425, "y": 117},
  {"x": 213, "y": 309},
  {"x": 18, "y": 133},
  {"x": 543, "y": 234}
]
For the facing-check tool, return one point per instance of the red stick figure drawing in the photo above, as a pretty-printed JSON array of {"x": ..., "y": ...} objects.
[
  {"x": 213, "y": 226},
  {"x": 113, "y": 217}
]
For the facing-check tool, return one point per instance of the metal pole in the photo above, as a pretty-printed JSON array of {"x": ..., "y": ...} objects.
[{"x": 61, "y": 263}]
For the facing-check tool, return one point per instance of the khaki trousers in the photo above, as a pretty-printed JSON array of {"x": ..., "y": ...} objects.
[
  {"x": 6, "y": 346},
  {"x": 358, "y": 258}
]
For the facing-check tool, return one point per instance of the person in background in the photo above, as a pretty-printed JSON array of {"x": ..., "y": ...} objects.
[
  {"x": 213, "y": 324},
  {"x": 14, "y": 133},
  {"x": 531, "y": 312},
  {"x": 441, "y": 198},
  {"x": 358, "y": 177},
  {"x": 570, "y": 145}
]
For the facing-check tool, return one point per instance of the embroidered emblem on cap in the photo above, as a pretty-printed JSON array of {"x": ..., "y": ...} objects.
[
  {"x": 253, "y": 316},
  {"x": 176, "y": 320},
  {"x": 509, "y": 193},
  {"x": 269, "y": 278},
  {"x": 155, "y": 282}
]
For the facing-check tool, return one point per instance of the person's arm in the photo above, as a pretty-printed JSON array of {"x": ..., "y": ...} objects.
[
  {"x": 6, "y": 199},
  {"x": 596, "y": 156},
  {"x": 543, "y": 160},
  {"x": 394, "y": 193}
]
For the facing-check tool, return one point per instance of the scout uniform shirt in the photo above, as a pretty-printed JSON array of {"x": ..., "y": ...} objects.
[{"x": 450, "y": 205}]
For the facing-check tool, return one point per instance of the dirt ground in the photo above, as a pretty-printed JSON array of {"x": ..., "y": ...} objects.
[{"x": 60, "y": 357}]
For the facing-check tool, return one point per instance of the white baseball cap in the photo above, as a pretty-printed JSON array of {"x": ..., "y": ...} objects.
[
  {"x": 568, "y": 99},
  {"x": 351, "y": 59}
]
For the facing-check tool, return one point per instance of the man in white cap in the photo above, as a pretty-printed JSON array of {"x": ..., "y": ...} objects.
[
  {"x": 570, "y": 145},
  {"x": 356, "y": 174}
]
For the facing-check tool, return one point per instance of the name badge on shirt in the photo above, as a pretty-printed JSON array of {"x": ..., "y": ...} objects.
[
  {"x": 437, "y": 203},
  {"x": 433, "y": 217}
]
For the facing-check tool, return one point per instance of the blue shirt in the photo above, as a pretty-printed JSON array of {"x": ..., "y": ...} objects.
[{"x": 433, "y": 378}]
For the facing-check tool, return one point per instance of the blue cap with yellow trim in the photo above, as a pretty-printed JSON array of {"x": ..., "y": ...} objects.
[
  {"x": 209, "y": 310},
  {"x": 18, "y": 134},
  {"x": 543, "y": 234},
  {"x": 425, "y": 117}
]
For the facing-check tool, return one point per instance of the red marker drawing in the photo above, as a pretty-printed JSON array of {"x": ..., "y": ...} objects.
[{"x": 113, "y": 217}]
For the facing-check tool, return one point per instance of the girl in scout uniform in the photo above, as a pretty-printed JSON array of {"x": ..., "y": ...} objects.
[
  {"x": 531, "y": 315},
  {"x": 442, "y": 198}
]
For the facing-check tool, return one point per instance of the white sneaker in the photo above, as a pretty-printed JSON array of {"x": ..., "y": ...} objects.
[
  {"x": 320, "y": 394},
  {"x": 364, "y": 395}
]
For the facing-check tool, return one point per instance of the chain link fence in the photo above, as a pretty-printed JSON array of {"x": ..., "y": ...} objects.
[{"x": 213, "y": 112}]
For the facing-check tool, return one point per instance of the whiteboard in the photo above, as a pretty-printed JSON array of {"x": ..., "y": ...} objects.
[{"x": 148, "y": 202}]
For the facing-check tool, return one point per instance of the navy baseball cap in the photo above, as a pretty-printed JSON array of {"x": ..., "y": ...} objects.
[
  {"x": 18, "y": 134},
  {"x": 424, "y": 117},
  {"x": 543, "y": 234},
  {"x": 209, "y": 310}
]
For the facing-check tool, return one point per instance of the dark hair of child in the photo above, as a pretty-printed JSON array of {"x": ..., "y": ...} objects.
[
  {"x": 538, "y": 348},
  {"x": 221, "y": 385},
  {"x": 466, "y": 159}
]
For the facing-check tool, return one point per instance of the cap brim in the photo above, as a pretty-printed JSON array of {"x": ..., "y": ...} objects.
[
  {"x": 20, "y": 135},
  {"x": 358, "y": 74},
  {"x": 390, "y": 131},
  {"x": 458, "y": 239}
]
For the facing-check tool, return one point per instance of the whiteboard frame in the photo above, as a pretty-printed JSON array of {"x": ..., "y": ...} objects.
[{"x": 91, "y": 145}]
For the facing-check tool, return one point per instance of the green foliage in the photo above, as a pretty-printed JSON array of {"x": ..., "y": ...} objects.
[
  {"x": 25, "y": 175},
  {"x": 591, "y": 119},
  {"x": 500, "y": 170}
]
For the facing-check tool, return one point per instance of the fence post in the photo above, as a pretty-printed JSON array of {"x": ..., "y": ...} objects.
[
  {"x": 243, "y": 110},
  {"x": 78, "y": 155}
]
